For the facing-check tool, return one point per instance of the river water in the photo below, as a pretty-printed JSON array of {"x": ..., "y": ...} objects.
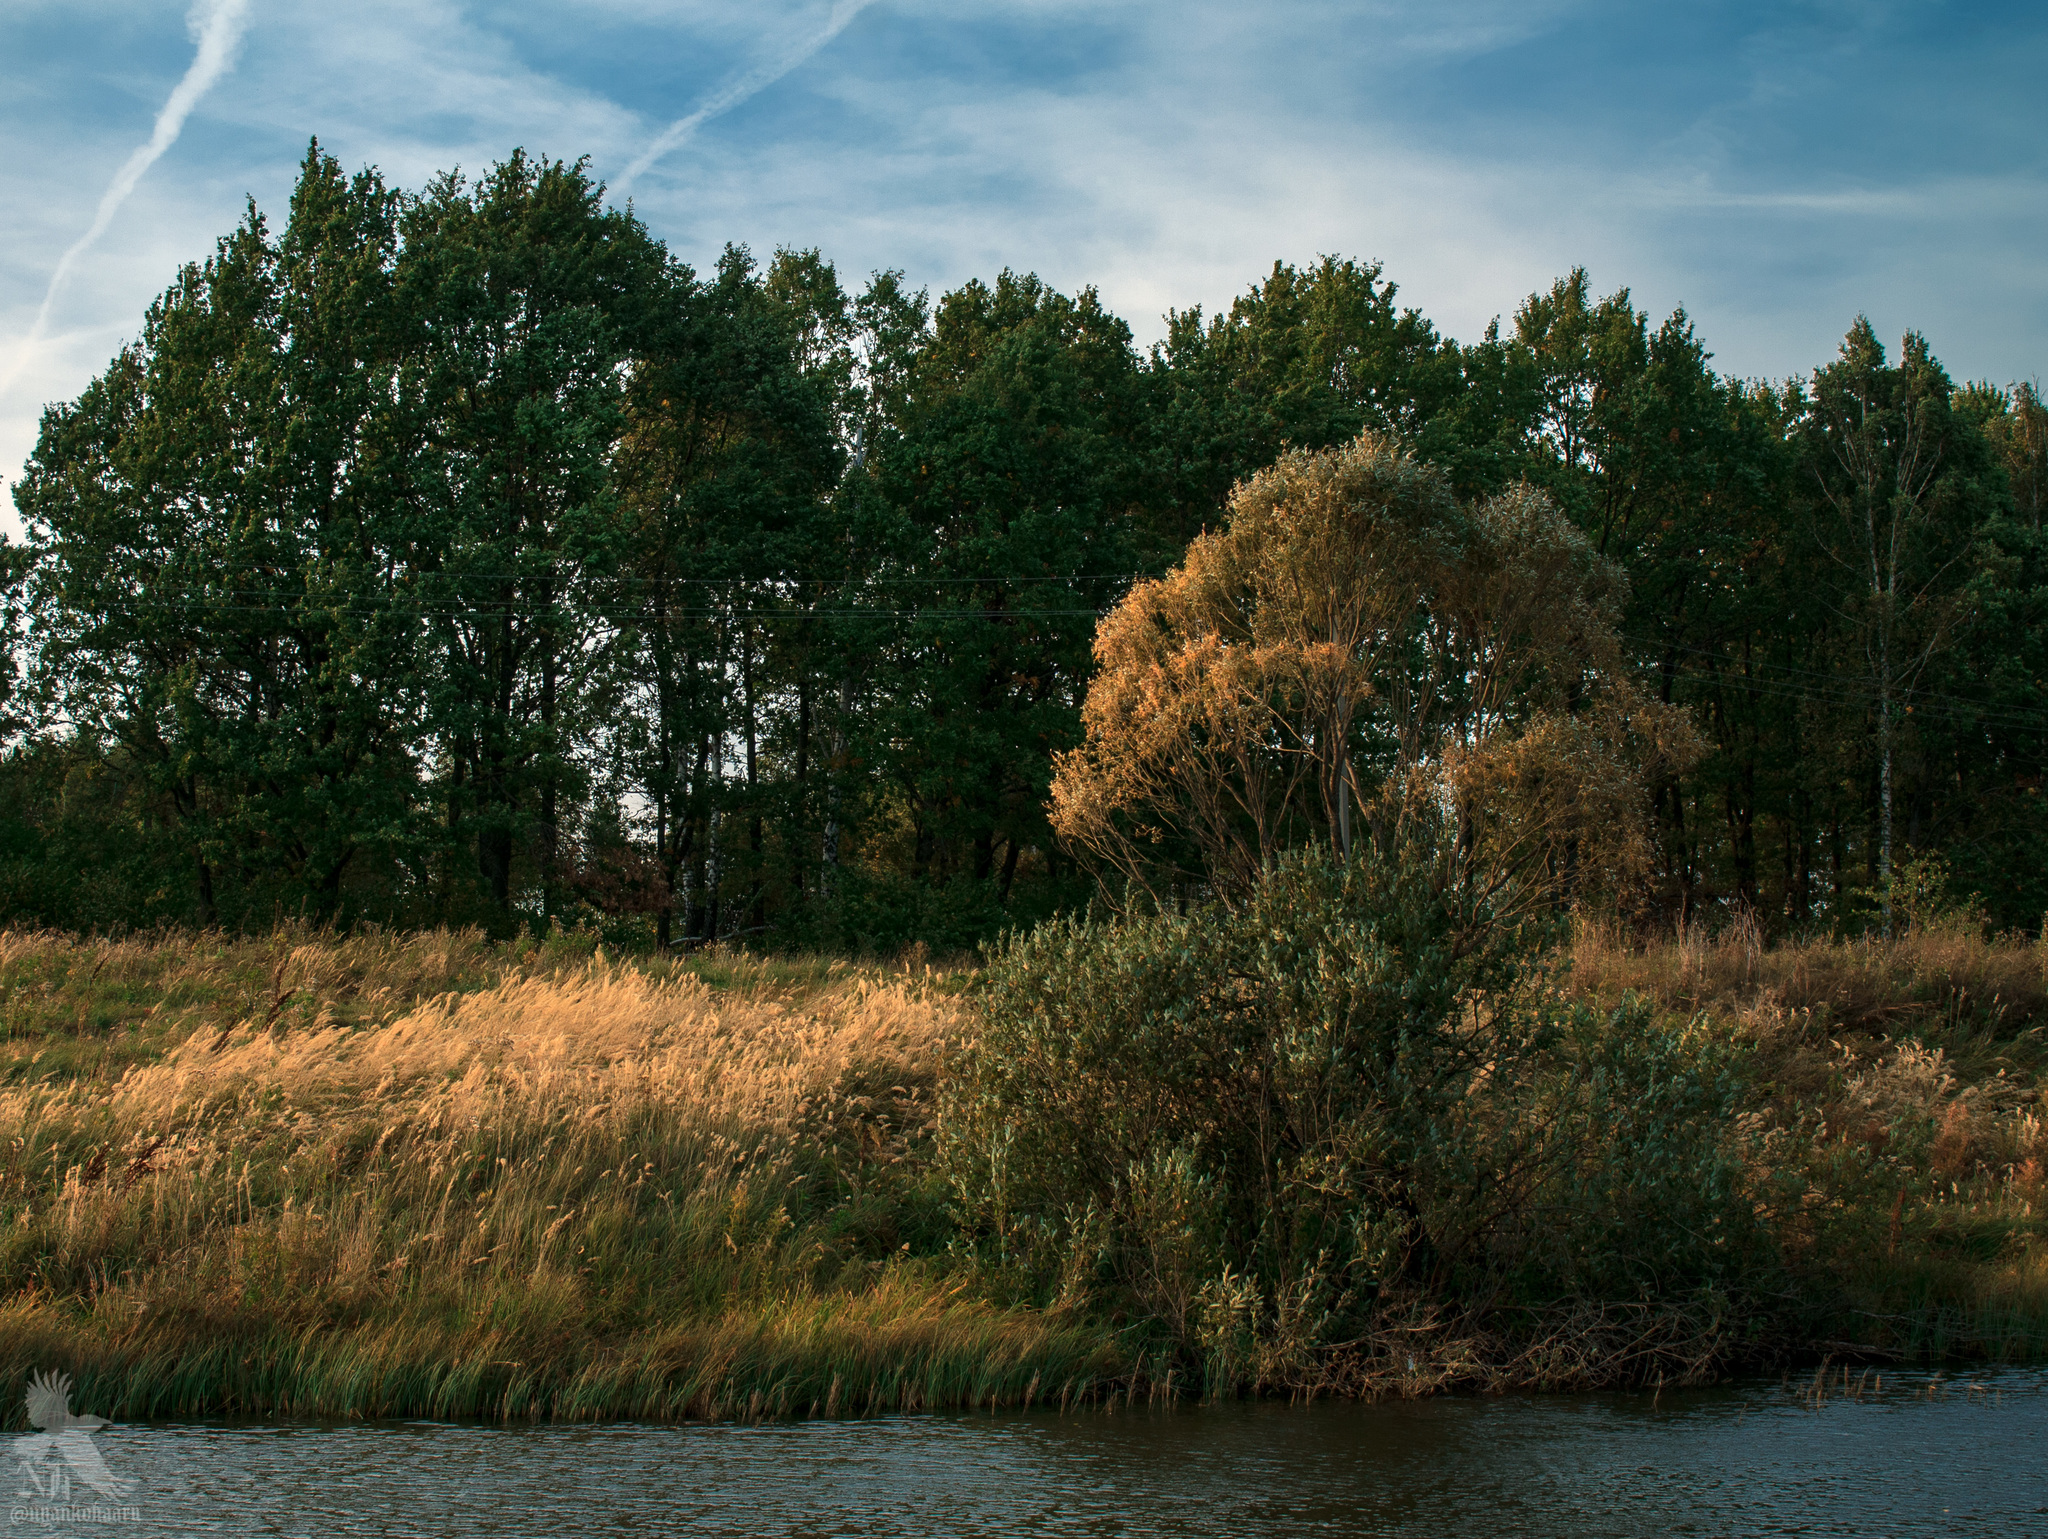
[{"x": 1958, "y": 1454}]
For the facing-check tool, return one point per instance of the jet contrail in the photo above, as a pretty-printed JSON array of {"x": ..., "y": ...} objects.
[
  {"x": 751, "y": 83},
  {"x": 216, "y": 25}
]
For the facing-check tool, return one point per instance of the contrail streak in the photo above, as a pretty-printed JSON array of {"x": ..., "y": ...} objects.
[
  {"x": 754, "y": 81},
  {"x": 217, "y": 27}
]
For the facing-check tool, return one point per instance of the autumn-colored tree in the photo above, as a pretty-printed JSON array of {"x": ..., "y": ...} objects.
[{"x": 1359, "y": 654}]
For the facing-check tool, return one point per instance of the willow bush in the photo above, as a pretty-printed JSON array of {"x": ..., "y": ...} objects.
[{"x": 1276, "y": 1127}]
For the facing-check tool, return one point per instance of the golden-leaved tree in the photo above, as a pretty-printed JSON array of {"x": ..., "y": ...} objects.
[{"x": 1360, "y": 655}]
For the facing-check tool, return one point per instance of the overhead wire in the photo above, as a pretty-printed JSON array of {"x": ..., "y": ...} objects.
[
  {"x": 1767, "y": 677},
  {"x": 1837, "y": 688},
  {"x": 1806, "y": 685}
]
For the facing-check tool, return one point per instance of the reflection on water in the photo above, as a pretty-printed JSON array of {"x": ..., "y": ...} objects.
[{"x": 1750, "y": 1460}]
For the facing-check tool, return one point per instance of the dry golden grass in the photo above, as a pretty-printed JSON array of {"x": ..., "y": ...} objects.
[
  {"x": 591, "y": 1041},
  {"x": 1900, "y": 1132},
  {"x": 582, "y": 1188},
  {"x": 1936, "y": 976},
  {"x": 383, "y": 1175}
]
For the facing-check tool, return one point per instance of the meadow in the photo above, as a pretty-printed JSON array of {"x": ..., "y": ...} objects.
[
  {"x": 309, "y": 1174},
  {"x": 1897, "y": 1108},
  {"x": 433, "y": 1176}
]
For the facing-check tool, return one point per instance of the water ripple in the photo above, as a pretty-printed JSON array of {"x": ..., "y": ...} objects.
[{"x": 1750, "y": 1460}]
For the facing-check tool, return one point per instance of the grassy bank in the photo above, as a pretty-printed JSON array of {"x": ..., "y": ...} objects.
[
  {"x": 1895, "y": 1134},
  {"x": 431, "y": 1177},
  {"x": 428, "y": 1175}
]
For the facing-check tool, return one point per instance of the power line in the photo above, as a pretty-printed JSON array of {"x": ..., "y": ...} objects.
[
  {"x": 433, "y": 576},
  {"x": 1844, "y": 689},
  {"x": 1769, "y": 678},
  {"x": 618, "y": 616}
]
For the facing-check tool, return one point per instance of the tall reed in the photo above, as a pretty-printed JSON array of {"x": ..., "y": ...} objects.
[{"x": 587, "y": 1191}]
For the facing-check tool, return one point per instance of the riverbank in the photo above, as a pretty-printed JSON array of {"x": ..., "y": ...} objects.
[
  {"x": 428, "y": 1176},
  {"x": 431, "y": 1176},
  {"x": 1895, "y": 1125}
]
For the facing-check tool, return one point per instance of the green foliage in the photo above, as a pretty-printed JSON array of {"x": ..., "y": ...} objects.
[
  {"x": 1649, "y": 1191},
  {"x": 1262, "y": 1126},
  {"x": 1917, "y": 894},
  {"x": 82, "y": 844},
  {"x": 1307, "y": 359},
  {"x": 877, "y": 911},
  {"x": 1013, "y": 475},
  {"x": 458, "y": 556}
]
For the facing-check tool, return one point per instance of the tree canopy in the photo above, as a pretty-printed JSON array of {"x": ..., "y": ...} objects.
[
  {"x": 461, "y": 556},
  {"x": 1358, "y": 637}
]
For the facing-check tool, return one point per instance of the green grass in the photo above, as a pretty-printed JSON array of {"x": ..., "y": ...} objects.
[{"x": 898, "y": 1345}]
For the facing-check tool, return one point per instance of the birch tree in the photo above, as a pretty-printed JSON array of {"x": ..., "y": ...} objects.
[{"x": 1878, "y": 447}]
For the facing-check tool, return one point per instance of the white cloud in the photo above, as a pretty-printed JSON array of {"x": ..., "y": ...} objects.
[
  {"x": 749, "y": 83},
  {"x": 216, "y": 26},
  {"x": 1166, "y": 154}
]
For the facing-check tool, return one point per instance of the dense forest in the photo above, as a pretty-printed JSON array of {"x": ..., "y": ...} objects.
[{"x": 463, "y": 557}]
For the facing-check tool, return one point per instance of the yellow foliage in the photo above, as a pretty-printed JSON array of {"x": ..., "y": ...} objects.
[
  {"x": 584, "y": 1038},
  {"x": 1356, "y": 639}
]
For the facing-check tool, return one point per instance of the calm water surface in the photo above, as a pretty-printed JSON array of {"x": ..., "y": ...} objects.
[{"x": 1752, "y": 1459}]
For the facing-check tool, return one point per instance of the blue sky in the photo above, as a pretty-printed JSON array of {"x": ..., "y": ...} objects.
[{"x": 1774, "y": 168}]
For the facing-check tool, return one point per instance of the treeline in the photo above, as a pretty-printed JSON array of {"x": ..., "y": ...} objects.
[{"x": 462, "y": 556}]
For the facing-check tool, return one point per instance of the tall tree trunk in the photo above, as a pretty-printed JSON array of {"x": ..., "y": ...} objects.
[
  {"x": 829, "y": 880},
  {"x": 757, "y": 912},
  {"x": 494, "y": 862},
  {"x": 714, "y": 876},
  {"x": 1884, "y": 775},
  {"x": 665, "y": 910},
  {"x": 1803, "y": 837},
  {"x": 800, "y": 820},
  {"x": 550, "y": 837},
  {"x": 1009, "y": 868}
]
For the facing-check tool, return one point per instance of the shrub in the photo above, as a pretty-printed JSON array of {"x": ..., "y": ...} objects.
[{"x": 1264, "y": 1126}]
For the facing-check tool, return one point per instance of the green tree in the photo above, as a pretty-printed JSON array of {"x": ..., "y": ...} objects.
[
  {"x": 2015, "y": 423},
  {"x": 1308, "y": 358},
  {"x": 524, "y": 299},
  {"x": 1981, "y": 729},
  {"x": 723, "y": 472},
  {"x": 1684, "y": 479},
  {"x": 1012, "y": 474},
  {"x": 213, "y": 583},
  {"x": 1902, "y": 490}
]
